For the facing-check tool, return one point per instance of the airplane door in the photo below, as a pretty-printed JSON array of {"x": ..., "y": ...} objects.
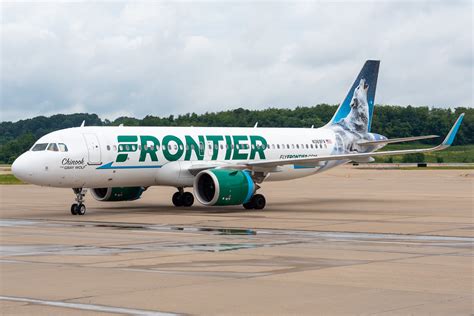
[{"x": 93, "y": 148}]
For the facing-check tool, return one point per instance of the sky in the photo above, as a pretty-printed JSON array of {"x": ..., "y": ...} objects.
[{"x": 162, "y": 58}]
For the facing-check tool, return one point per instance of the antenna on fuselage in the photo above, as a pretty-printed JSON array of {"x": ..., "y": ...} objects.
[
  {"x": 256, "y": 125},
  {"x": 312, "y": 126},
  {"x": 83, "y": 123}
]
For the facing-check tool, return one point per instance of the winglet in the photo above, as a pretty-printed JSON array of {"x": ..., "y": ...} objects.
[
  {"x": 452, "y": 133},
  {"x": 83, "y": 123}
]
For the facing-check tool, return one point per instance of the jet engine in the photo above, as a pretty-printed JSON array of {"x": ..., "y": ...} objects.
[
  {"x": 117, "y": 194},
  {"x": 223, "y": 187}
]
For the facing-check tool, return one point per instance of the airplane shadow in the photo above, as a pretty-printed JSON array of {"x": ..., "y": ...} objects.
[
  {"x": 319, "y": 205},
  {"x": 306, "y": 205}
]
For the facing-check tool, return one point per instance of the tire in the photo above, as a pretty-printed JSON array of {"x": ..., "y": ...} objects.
[
  {"x": 187, "y": 198},
  {"x": 259, "y": 201},
  {"x": 81, "y": 209},
  {"x": 177, "y": 199},
  {"x": 249, "y": 205},
  {"x": 73, "y": 209}
]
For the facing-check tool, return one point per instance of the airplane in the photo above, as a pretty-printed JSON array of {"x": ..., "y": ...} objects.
[{"x": 224, "y": 166}]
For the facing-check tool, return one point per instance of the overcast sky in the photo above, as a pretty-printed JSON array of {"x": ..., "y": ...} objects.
[{"x": 140, "y": 58}]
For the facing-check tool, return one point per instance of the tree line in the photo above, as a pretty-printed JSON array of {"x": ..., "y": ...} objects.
[{"x": 391, "y": 121}]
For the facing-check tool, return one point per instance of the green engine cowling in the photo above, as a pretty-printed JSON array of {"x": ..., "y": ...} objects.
[
  {"x": 117, "y": 194},
  {"x": 223, "y": 187}
]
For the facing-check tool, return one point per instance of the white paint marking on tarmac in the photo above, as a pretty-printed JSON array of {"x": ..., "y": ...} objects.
[{"x": 89, "y": 307}]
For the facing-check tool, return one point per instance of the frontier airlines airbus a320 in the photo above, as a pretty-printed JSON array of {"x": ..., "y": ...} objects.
[{"x": 224, "y": 166}]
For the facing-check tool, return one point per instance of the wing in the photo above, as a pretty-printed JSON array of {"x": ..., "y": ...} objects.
[
  {"x": 358, "y": 156},
  {"x": 395, "y": 140}
]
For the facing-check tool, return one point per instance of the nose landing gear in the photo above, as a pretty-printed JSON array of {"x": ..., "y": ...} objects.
[{"x": 79, "y": 208}]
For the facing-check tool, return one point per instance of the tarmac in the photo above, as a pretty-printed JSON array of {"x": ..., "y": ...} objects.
[{"x": 349, "y": 241}]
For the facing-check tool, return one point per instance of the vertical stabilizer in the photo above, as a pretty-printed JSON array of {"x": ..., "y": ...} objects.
[{"x": 356, "y": 111}]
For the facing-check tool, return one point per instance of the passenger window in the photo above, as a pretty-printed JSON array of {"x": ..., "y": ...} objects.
[
  {"x": 53, "y": 147},
  {"x": 39, "y": 147},
  {"x": 108, "y": 147},
  {"x": 62, "y": 147}
]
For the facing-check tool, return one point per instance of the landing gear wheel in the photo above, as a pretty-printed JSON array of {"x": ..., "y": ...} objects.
[
  {"x": 187, "y": 199},
  {"x": 78, "y": 209},
  {"x": 249, "y": 205},
  {"x": 73, "y": 209},
  {"x": 177, "y": 199},
  {"x": 81, "y": 209},
  {"x": 259, "y": 201}
]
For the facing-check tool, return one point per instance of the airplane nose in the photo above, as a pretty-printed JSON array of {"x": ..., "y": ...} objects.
[{"x": 20, "y": 168}]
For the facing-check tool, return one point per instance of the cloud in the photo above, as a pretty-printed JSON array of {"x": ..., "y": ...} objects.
[{"x": 165, "y": 58}]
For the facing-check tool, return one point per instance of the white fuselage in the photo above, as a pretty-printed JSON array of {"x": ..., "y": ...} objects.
[{"x": 124, "y": 156}]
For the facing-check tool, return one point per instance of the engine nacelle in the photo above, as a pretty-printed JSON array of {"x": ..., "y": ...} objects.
[
  {"x": 117, "y": 194},
  {"x": 223, "y": 187}
]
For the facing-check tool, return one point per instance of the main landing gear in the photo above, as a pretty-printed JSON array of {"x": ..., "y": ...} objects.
[
  {"x": 257, "y": 202},
  {"x": 182, "y": 198},
  {"x": 79, "y": 208}
]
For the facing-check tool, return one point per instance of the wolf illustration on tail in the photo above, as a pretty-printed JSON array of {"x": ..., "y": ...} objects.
[
  {"x": 353, "y": 118},
  {"x": 358, "y": 118}
]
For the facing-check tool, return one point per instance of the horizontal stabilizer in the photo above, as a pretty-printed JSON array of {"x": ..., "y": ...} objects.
[
  {"x": 363, "y": 159},
  {"x": 395, "y": 140}
]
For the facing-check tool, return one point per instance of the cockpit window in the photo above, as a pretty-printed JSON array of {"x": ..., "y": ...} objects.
[
  {"x": 39, "y": 147},
  {"x": 53, "y": 147},
  {"x": 62, "y": 147}
]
